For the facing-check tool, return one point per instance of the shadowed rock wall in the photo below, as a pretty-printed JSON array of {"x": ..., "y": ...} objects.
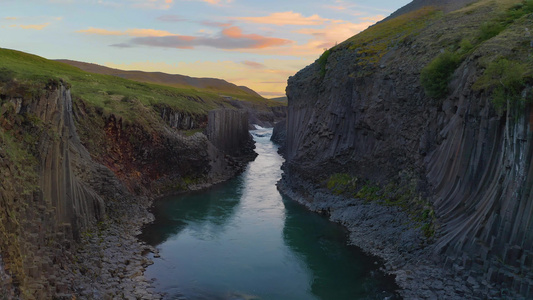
[
  {"x": 472, "y": 161},
  {"x": 181, "y": 120},
  {"x": 228, "y": 131},
  {"x": 58, "y": 189},
  {"x": 63, "y": 163},
  {"x": 46, "y": 206}
]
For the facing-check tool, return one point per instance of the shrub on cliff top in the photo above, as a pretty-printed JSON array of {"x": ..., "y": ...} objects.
[
  {"x": 436, "y": 75},
  {"x": 492, "y": 28},
  {"x": 322, "y": 61},
  {"x": 489, "y": 30},
  {"x": 374, "y": 42},
  {"x": 6, "y": 75},
  {"x": 506, "y": 79}
]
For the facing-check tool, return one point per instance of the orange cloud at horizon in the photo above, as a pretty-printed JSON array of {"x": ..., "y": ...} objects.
[
  {"x": 253, "y": 64},
  {"x": 148, "y": 32},
  {"x": 321, "y": 38},
  {"x": 286, "y": 18},
  {"x": 232, "y": 32},
  {"x": 33, "y": 27},
  {"x": 235, "y": 32},
  {"x": 100, "y": 31}
]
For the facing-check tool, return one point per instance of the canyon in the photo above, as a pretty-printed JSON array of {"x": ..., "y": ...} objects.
[{"x": 415, "y": 134}]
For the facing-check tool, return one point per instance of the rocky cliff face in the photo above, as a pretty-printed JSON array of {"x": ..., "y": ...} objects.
[
  {"x": 366, "y": 114},
  {"x": 49, "y": 193},
  {"x": 181, "y": 120},
  {"x": 257, "y": 115},
  {"x": 71, "y": 204},
  {"x": 221, "y": 131}
]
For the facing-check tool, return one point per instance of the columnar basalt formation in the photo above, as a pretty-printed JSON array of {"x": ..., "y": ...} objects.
[
  {"x": 471, "y": 160},
  {"x": 181, "y": 120},
  {"x": 228, "y": 131},
  {"x": 73, "y": 203},
  {"x": 46, "y": 206}
]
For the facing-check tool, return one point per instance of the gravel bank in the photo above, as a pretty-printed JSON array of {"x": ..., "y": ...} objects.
[{"x": 388, "y": 233}]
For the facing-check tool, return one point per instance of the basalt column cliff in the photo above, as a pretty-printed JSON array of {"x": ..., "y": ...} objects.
[
  {"x": 76, "y": 184},
  {"x": 427, "y": 115}
]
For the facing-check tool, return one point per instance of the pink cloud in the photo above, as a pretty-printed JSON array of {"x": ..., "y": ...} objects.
[
  {"x": 32, "y": 26},
  {"x": 171, "y": 18},
  {"x": 286, "y": 18},
  {"x": 229, "y": 38},
  {"x": 216, "y": 24},
  {"x": 320, "y": 38},
  {"x": 258, "y": 41},
  {"x": 100, "y": 31},
  {"x": 129, "y": 32},
  {"x": 153, "y": 4},
  {"x": 253, "y": 64},
  {"x": 217, "y": 2}
]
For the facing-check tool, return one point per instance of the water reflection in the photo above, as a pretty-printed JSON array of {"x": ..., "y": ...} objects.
[
  {"x": 207, "y": 212},
  {"x": 240, "y": 240},
  {"x": 338, "y": 271}
]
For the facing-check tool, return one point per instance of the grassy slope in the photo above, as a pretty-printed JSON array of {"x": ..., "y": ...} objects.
[
  {"x": 486, "y": 31},
  {"x": 492, "y": 30},
  {"x": 374, "y": 42},
  {"x": 280, "y": 99},
  {"x": 180, "y": 81},
  {"x": 111, "y": 93}
]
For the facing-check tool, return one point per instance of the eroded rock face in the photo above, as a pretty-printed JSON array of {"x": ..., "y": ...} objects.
[
  {"x": 279, "y": 134},
  {"x": 48, "y": 204},
  {"x": 367, "y": 125},
  {"x": 65, "y": 163},
  {"x": 72, "y": 204},
  {"x": 181, "y": 120},
  {"x": 260, "y": 115},
  {"x": 228, "y": 131},
  {"x": 472, "y": 161}
]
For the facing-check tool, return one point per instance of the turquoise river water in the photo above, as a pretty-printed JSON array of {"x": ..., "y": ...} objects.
[{"x": 243, "y": 240}]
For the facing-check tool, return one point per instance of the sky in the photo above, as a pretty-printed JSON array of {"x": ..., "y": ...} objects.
[{"x": 256, "y": 43}]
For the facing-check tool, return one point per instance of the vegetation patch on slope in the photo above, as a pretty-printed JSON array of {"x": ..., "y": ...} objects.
[
  {"x": 212, "y": 86},
  {"x": 374, "y": 42},
  {"x": 504, "y": 78},
  {"x": 402, "y": 195},
  {"x": 111, "y": 93}
]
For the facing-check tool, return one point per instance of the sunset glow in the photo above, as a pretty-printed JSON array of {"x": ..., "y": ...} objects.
[{"x": 254, "y": 43}]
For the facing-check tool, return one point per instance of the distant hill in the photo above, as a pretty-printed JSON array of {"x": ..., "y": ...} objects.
[
  {"x": 174, "y": 80},
  {"x": 280, "y": 99}
]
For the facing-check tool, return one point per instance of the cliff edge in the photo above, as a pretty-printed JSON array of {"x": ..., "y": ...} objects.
[
  {"x": 427, "y": 113},
  {"x": 76, "y": 184}
]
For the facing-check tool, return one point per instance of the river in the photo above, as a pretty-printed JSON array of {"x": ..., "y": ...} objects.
[{"x": 243, "y": 240}]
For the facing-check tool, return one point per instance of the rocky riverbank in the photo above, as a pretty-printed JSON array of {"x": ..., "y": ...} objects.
[
  {"x": 389, "y": 233},
  {"x": 377, "y": 108},
  {"x": 112, "y": 265},
  {"x": 77, "y": 184},
  {"x": 111, "y": 259}
]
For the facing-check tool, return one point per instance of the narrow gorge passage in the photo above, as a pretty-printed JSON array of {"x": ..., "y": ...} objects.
[{"x": 243, "y": 240}]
